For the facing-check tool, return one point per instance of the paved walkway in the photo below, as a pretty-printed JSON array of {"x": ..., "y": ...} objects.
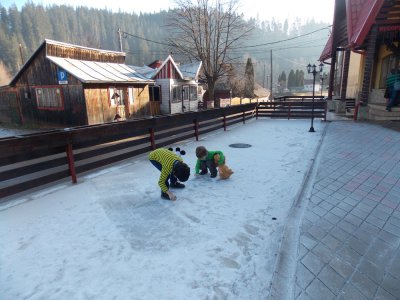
[{"x": 350, "y": 228}]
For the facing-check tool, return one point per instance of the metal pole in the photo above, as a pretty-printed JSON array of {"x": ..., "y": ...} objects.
[{"x": 312, "y": 109}]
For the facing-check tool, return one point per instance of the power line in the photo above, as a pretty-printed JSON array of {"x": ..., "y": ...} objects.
[
  {"x": 243, "y": 47},
  {"x": 285, "y": 40}
]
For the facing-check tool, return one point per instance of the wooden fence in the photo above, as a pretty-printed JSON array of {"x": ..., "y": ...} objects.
[
  {"x": 304, "y": 109},
  {"x": 33, "y": 160}
]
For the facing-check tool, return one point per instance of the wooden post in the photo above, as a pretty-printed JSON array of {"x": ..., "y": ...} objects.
[
  {"x": 71, "y": 165},
  {"x": 244, "y": 119},
  {"x": 152, "y": 140},
  {"x": 257, "y": 111},
  {"x": 196, "y": 129},
  {"x": 224, "y": 121}
]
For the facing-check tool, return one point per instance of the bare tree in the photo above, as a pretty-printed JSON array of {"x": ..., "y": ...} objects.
[{"x": 208, "y": 30}]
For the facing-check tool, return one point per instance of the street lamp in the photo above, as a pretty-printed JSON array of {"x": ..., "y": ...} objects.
[
  {"x": 323, "y": 77},
  {"x": 312, "y": 69}
]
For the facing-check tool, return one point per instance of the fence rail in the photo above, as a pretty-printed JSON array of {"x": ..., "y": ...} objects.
[
  {"x": 32, "y": 160},
  {"x": 304, "y": 109}
]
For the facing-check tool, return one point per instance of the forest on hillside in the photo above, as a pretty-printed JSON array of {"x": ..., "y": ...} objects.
[{"x": 144, "y": 37}]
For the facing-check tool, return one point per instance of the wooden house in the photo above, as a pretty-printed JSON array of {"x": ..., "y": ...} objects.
[
  {"x": 69, "y": 85},
  {"x": 363, "y": 48},
  {"x": 178, "y": 84}
]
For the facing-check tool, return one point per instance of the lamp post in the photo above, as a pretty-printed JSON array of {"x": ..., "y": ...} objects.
[
  {"x": 312, "y": 69},
  {"x": 183, "y": 93},
  {"x": 323, "y": 77}
]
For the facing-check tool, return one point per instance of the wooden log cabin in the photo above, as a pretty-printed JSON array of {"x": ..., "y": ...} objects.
[{"x": 68, "y": 85}]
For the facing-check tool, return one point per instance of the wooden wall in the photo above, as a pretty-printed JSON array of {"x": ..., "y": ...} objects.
[
  {"x": 42, "y": 73},
  {"x": 9, "y": 107},
  {"x": 98, "y": 104},
  {"x": 82, "y": 53}
]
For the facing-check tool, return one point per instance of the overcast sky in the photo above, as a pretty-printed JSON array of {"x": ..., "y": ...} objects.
[{"x": 319, "y": 10}]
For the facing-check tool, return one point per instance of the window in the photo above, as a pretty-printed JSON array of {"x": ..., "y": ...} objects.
[
  {"x": 49, "y": 98},
  {"x": 193, "y": 92},
  {"x": 116, "y": 96},
  {"x": 131, "y": 95},
  {"x": 176, "y": 93},
  {"x": 185, "y": 92},
  {"x": 154, "y": 93},
  {"x": 388, "y": 63}
]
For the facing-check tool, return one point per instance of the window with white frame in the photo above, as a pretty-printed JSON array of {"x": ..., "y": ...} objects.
[
  {"x": 176, "y": 93},
  {"x": 193, "y": 93},
  {"x": 49, "y": 98},
  {"x": 116, "y": 96}
]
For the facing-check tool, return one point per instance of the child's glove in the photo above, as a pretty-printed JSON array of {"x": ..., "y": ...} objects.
[{"x": 171, "y": 195}]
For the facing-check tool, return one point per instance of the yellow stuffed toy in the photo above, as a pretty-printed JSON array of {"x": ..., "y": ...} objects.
[{"x": 224, "y": 171}]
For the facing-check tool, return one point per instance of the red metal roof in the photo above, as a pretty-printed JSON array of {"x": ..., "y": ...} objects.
[
  {"x": 361, "y": 15},
  {"x": 327, "y": 52}
]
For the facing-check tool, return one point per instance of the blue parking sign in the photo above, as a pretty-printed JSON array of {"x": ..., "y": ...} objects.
[{"x": 62, "y": 76}]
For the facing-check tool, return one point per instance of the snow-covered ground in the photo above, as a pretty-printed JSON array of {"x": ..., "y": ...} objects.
[{"x": 111, "y": 236}]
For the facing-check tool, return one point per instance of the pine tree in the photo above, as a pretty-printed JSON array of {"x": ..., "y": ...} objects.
[{"x": 249, "y": 79}]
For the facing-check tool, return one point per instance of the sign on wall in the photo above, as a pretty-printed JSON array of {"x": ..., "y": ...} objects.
[{"x": 62, "y": 76}]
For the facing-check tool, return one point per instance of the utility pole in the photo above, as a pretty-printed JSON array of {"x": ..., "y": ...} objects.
[
  {"x": 270, "y": 95},
  {"x": 264, "y": 77},
  {"x": 120, "y": 39},
  {"x": 20, "y": 53}
]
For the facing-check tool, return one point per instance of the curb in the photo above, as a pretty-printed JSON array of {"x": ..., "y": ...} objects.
[{"x": 283, "y": 279}]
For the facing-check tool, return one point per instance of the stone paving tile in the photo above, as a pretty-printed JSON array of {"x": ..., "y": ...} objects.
[
  {"x": 312, "y": 263},
  {"x": 332, "y": 280},
  {"x": 374, "y": 272},
  {"x": 304, "y": 276},
  {"x": 351, "y": 292},
  {"x": 318, "y": 290},
  {"x": 365, "y": 285},
  {"x": 331, "y": 242},
  {"x": 389, "y": 238},
  {"x": 394, "y": 268},
  {"x": 392, "y": 286},
  {"x": 308, "y": 241},
  {"x": 331, "y": 218},
  {"x": 383, "y": 295},
  {"x": 341, "y": 267},
  {"x": 324, "y": 253},
  {"x": 350, "y": 236}
]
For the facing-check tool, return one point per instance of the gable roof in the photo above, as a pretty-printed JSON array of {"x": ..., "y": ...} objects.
[
  {"x": 50, "y": 43},
  {"x": 360, "y": 15},
  {"x": 191, "y": 70},
  {"x": 99, "y": 72},
  {"x": 186, "y": 71},
  {"x": 168, "y": 59}
]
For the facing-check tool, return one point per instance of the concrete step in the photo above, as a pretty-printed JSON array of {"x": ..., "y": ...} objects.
[{"x": 378, "y": 112}]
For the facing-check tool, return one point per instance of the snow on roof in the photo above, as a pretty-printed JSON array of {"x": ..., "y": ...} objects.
[
  {"x": 190, "y": 70},
  {"x": 99, "y": 72}
]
